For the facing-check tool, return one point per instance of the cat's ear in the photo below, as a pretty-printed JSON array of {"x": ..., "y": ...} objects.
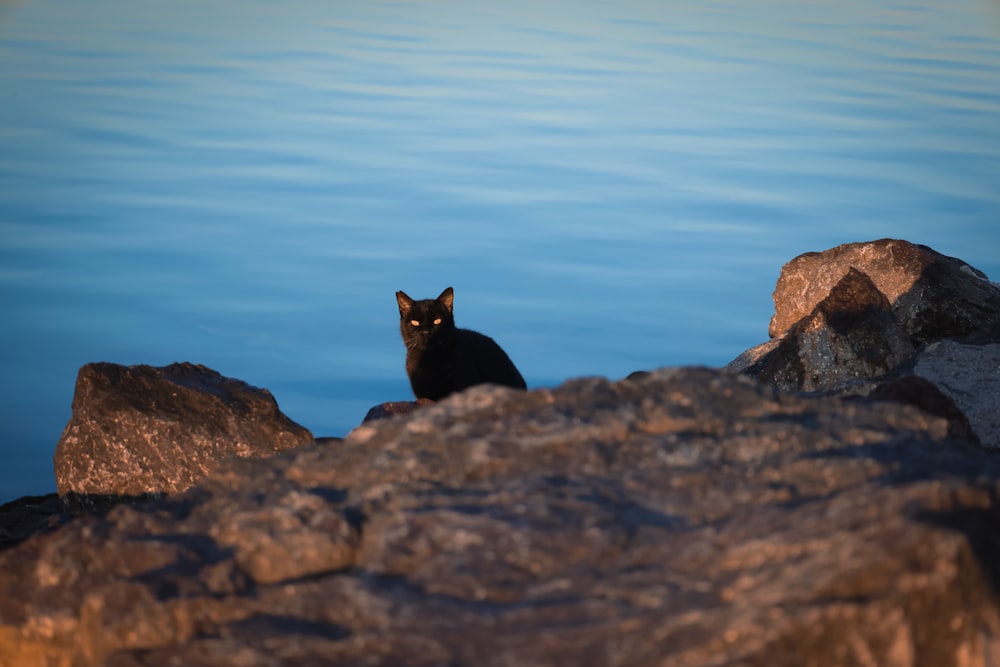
[
  {"x": 405, "y": 303},
  {"x": 447, "y": 298}
]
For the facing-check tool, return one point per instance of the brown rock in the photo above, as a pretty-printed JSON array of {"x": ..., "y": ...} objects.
[
  {"x": 686, "y": 517},
  {"x": 932, "y": 296},
  {"x": 849, "y": 335},
  {"x": 847, "y": 345},
  {"x": 140, "y": 429}
]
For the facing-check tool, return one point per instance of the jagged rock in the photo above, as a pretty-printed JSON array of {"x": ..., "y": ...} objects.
[
  {"x": 141, "y": 429},
  {"x": 853, "y": 343},
  {"x": 851, "y": 334},
  {"x": 686, "y": 517},
  {"x": 933, "y": 296}
]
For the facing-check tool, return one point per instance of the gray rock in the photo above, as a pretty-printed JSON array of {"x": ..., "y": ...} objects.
[
  {"x": 970, "y": 376},
  {"x": 849, "y": 335},
  {"x": 141, "y": 429},
  {"x": 933, "y": 296},
  {"x": 918, "y": 392},
  {"x": 749, "y": 358},
  {"x": 683, "y": 517}
]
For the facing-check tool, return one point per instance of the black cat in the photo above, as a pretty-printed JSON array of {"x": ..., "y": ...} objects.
[{"x": 442, "y": 359}]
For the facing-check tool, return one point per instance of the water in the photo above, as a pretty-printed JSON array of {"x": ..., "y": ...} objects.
[{"x": 608, "y": 186}]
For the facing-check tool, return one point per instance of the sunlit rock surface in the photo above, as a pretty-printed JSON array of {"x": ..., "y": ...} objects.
[
  {"x": 836, "y": 508},
  {"x": 933, "y": 296},
  {"x": 871, "y": 314},
  {"x": 849, "y": 335},
  {"x": 142, "y": 429},
  {"x": 683, "y": 517}
]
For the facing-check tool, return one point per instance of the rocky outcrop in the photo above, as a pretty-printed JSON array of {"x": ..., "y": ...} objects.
[
  {"x": 141, "y": 429},
  {"x": 850, "y": 334},
  {"x": 932, "y": 296},
  {"x": 872, "y": 314},
  {"x": 683, "y": 517}
]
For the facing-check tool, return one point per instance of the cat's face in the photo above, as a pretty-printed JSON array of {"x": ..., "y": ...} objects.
[{"x": 425, "y": 321}]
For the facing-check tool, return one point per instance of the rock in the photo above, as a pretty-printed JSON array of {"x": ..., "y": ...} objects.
[
  {"x": 851, "y": 334},
  {"x": 384, "y": 410},
  {"x": 933, "y": 296},
  {"x": 683, "y": 516},
  {"x": 920, "y": 393},
  {"x": 853, "y": 343},
  {"x": 970, "y": 376},
  {"x": 24, "y": 517},
  {"x": 140, "y": 429},
  {"x": 753, "y": 356}
]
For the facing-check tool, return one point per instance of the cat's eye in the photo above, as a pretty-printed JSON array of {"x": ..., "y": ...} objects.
[
  {"x": 437, "y": 321},
  {"x": 415, "y": 323}
]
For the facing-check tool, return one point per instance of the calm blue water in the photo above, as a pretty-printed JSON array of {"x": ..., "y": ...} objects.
[{"x": 608, "y": 186}]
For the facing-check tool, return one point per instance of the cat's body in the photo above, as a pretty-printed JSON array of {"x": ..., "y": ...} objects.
[{"x": 442, "y": 359}]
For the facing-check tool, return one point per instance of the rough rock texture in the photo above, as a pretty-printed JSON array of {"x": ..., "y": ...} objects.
[
  {"x": 142, "y": 429},
  {"x": 879, "y": 313},
  {"x": 970, "y": 376},
  {"x": 920, "y": 393},
  {"x": 682, "y": 517},
  {"x": 933, "y": 296},
  {"x": 849, "y": 335}
]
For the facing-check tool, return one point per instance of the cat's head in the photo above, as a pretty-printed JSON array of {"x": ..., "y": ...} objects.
[{"x": 426, "y": 319}]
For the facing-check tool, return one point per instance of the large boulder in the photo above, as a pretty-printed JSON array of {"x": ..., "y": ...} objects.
[
  {"x": 686, "y": 517},
  {"x": 933, "y": 296},
  {"x": 851, "y": 334},
  {"x": 139, "y": 430},
  {"x": 869, "y": 319}
]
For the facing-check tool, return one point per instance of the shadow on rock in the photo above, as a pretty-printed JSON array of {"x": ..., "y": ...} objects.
[{"x": 858, "y": 319}]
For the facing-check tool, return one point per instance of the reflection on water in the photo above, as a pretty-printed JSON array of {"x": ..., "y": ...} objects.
[{"x": 607, "y": 186}]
